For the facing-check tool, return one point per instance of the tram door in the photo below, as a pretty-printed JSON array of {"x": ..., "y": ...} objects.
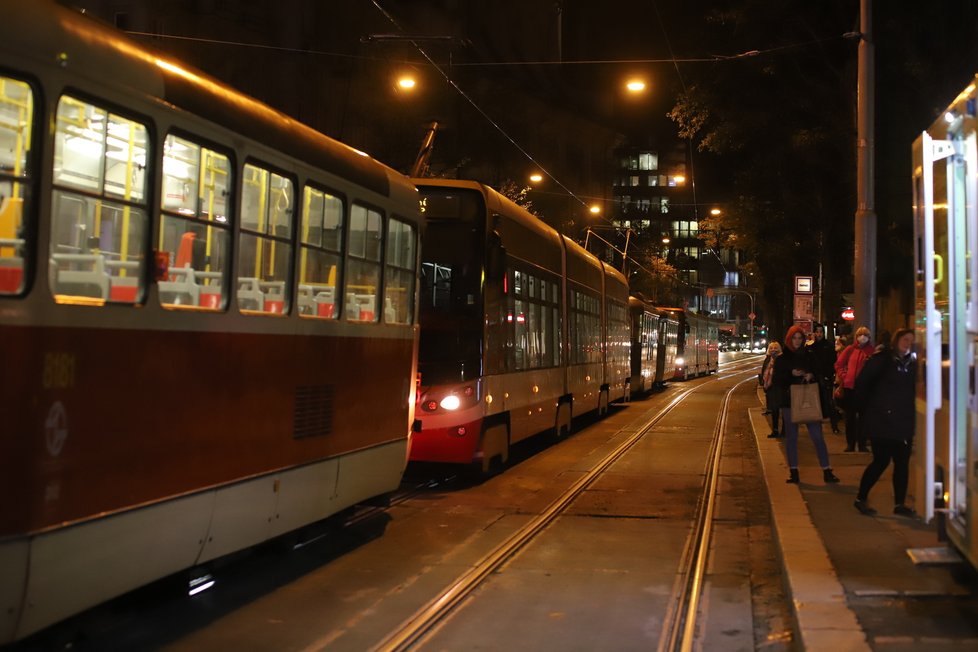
[{"x": 946, "y": 257}]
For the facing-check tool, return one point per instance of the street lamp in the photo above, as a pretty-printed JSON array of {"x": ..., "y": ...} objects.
[
  {"x": 536, "y": 177},
  {"x": 715, "y": 211},
  {"x": 635, "y": 85}
]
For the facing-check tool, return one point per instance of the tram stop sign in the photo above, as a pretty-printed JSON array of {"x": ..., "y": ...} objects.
[{"x": 751, "y": 316}]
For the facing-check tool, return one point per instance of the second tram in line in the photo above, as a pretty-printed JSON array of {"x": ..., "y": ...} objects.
[{"x": 521, "y": 328}]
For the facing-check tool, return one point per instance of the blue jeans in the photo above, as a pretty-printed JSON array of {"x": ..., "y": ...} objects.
[{"x": 791, "y": 440}]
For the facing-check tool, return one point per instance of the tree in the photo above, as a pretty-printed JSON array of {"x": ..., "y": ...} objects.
[{"x": 780, "y": 120}]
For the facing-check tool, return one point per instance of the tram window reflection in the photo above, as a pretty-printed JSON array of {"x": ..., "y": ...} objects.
[
  {"x": 265, "y": 250},
  {"x": 194, "y": 226},
  {"x": 320, "y": 256},
  {"x": 363, "y": 279},
  {"x": 16, "y": 130},
  {"x": 98, "y": 218},
  {"x": 399, "y": 276}
]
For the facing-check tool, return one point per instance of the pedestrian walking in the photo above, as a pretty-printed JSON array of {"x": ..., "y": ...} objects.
[
  {"x": 825, "y": 357},
  {"x": 885, "y": 389},
  {"x": 772, "y": 394},
  {"x": 847, "y": 369},
  {"x": 795, "y": 366}
]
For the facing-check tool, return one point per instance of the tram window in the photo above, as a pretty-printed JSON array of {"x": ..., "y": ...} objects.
[
  {"x": 16, "y": 128},
  {"x": 585, "y": 328},
  {"x": 363, "y": 279},
  {"x": 99, "y": 221},
  {"x": 265, "y": 250},
  {"x": 194, "y": 226},
  {"x": 320, "y": 259},
  {"x": 399, "y": 279}
]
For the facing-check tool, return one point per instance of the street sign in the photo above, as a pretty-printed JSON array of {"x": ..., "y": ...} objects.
[
  {"x": 751, "y": 316},
  {"x": 803, "y": 285}
]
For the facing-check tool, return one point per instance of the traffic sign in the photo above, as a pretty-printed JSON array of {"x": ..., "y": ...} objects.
[{"x": 751, "y": 316}]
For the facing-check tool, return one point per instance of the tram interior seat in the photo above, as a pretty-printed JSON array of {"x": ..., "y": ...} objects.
[
  {"x": 182, "y": 289},
  {"x": 86, "y": 282},
  {"x": 124, "y": 289},
  {"x": 250, "y": 296},
  {"x": 274, "y": 293},
  {"x": 11, "y": 267}
]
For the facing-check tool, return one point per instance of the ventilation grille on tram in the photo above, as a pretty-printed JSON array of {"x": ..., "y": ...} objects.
[{"x": 313, "y": 411}]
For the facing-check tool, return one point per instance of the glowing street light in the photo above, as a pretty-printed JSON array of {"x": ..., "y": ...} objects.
[
  {"x": 635, "y": 85},
  {"x": 406, "y": 83},
  {"x": 714, "y": 211},
  {"x": 595, "y": 209},
  {"x": 536, "y": 177},
  {"x": 679, "y": 178}
]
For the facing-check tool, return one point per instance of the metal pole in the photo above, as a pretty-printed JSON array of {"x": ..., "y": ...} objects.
[{"x": 865, "y": 228}]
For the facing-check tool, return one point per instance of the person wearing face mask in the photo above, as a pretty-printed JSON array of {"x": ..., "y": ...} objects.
[
  {"x": 798, "y": 364},
  {"x": 886, "y": 390},
  {"x": 847, "y": 369}
]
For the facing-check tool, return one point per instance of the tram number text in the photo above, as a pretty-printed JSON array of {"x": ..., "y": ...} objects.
[{"x": 59, "y": 371}]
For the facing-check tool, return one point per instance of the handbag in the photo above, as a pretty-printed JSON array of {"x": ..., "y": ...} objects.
[{"x": 806, "y": 407}]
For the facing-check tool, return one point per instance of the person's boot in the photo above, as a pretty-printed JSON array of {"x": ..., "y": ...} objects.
[
  {"x": 793, "y": 476},
  {"x": 864, "y": 508},
  {"x": 829, "y": 477}
]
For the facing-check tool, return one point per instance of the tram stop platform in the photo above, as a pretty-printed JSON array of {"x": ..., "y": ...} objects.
[{"x": 850, "y": 578}]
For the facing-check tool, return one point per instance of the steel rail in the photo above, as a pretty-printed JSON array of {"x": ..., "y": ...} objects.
[
  {"x": 679, "y": 627},
  {"x": 418, "y": 624}
]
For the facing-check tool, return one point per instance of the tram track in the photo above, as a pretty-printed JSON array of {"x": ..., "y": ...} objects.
[{"x": 414, "y": 629}]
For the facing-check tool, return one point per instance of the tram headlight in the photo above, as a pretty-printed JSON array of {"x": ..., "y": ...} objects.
[
  {"x": 680, "y": 362},
  {"x": 450, "y": 402}
]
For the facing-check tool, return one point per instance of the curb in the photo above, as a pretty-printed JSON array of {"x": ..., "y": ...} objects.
[{"x": 823, "y": 620}]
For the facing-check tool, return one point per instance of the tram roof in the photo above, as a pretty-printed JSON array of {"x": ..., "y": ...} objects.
[{"x": 53, "y": 35}]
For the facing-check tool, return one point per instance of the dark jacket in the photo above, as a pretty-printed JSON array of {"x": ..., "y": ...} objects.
[
  {"x": 802, "y": 359},
  {"x": 825, "y": 358},
  {"x": 885, "y": 390}
]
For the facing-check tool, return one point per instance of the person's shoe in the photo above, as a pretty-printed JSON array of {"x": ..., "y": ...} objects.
[
  {"x": 849, "y": 449},
  {"x": 903, "y": 510},
  {"x": 829, "y": 477},
  {"x": 835, "y": 430},
  {"x": 773, "y": 435},
  {"x": 793, "y": 476},
  {"x": 864, "y": 508}
]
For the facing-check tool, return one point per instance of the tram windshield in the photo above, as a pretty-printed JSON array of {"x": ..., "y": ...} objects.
[{"x": 451, "y": 304}]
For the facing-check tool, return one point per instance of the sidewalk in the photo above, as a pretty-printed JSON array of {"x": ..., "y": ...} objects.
[{"x": 845, "y": 572}]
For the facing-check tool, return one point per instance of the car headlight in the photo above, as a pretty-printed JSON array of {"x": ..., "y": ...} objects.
[{"x": 450, "y": 402}]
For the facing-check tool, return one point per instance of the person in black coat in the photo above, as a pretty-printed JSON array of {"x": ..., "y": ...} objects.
[
  {"x": 825, "y": 356},
  {"x": 885, "y": 389},
  {"x": 796, "y": 365}
]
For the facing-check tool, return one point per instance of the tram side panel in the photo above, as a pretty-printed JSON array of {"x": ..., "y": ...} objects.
[
  {"x": 644, "y": 351},
  {"x": 585, "y": 346},
  {"x": 946, "y": 274},
  {"x": 616, "y": 333}
]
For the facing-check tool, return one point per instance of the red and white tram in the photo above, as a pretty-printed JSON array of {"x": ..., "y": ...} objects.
[
  {"x": 207, "y": 317},
  {"x": 521, "y": 328}
]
